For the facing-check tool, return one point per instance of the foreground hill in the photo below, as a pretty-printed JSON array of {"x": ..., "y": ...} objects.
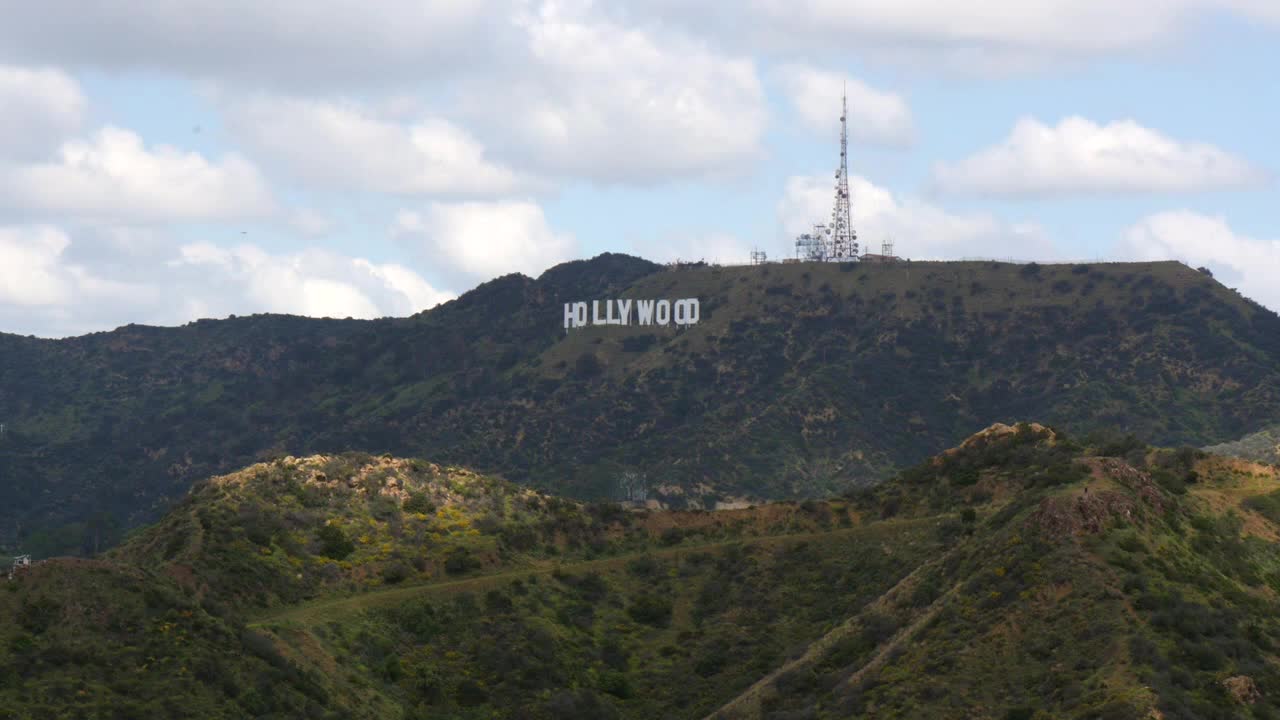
[
  {"x": 801, "y": 380},
  {"x": 1019, "y": 575}
]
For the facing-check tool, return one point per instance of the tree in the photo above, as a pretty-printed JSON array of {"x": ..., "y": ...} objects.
[
  {"x": 334, "y": 543},
  {"x": 633, "y": 486}
]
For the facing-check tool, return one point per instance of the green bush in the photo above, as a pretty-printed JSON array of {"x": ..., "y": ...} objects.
[
  {"x": 461, "y": 560},
  {"x": 334, "y": 543},
  {"x": 419, "y": 503},
  {"x": 652, "y": 610}
]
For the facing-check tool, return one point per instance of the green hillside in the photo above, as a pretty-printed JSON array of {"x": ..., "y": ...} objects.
[
  {"x": 1018, "y": 575},
  {"x": 802, "y": 380}
]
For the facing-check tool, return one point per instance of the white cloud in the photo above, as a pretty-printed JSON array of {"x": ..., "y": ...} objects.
[
  {"x": 310, "y": 223},
  {"x": 347, "y": 146},
  {"x": 875, "y": 116},
  {"x": 55, "y": 282},
  {"x": 314, "y": 282},
  {"x": 38, "y": 108},
  {"x": 44, "y": 291},
  {"x": 613, "y": 103},
  {"x": 1079, "y": 156},
  {"x": 306, "y": 45},
  {"x": 485, "y": 239},
  {"x": 995, "y": 34},
  {"x": 565, "y": 89},
  {"x": 712, "y": 247},
  {"x": 918, "y": 229},
  {"x": 1250, "y": 264},
  {"x": 29, "y": 266},
  {"x": 297, "y": 43},
  {"x": 114, "y": 176}
]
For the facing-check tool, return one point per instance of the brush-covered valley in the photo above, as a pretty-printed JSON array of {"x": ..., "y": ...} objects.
[{"x": 1021, "y": 574}]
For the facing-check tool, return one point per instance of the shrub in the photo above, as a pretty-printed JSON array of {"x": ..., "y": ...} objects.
[
  {"x": 671, "y": 536},
  {"x": 334, "y": 543},
  {"x": 652, "y": 610},
  {"x": 396, "y": 572},
  {"x": 419, "y": 503},
  {"x": 460, "y": 561}
]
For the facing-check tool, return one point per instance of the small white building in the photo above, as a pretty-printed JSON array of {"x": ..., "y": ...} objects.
[{"x": 20, "y": 563}]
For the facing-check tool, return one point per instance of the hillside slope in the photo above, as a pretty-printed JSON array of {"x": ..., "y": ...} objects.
[
  {"x": 1018, "y": 575},
  {"x": 801, "y": 380}
]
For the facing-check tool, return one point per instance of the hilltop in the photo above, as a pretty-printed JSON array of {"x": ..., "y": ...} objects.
[
  {"x": 1021, "y": 574},
  {"x": 801, "y": 380}
]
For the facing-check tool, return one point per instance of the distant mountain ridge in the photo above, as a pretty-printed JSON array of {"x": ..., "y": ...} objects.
[
  {"x": 1261, "y": 446},
  {"x": 799, "y": 380}
]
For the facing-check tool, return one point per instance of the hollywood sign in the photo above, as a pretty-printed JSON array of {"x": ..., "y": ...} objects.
[{"x": 619, "y": 312}]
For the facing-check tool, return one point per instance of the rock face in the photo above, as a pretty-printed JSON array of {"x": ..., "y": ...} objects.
[
  {"x": 1088, "y": 512},
  {"x": 1243, "y": 689}
]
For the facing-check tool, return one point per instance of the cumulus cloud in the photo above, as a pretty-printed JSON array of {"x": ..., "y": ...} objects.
[
  {"x": 713, "y": 247},
  {"x": 568, "y": 89},
  {"x": 43, "y": 291},
  {"x": 305, "y": 46},
  {"x": 875, "y": 116},
  {"x": 57, "y": 282},
  {"x": 294, "y": 43},
  {"x": 485, "y": 239},
  {"x": 1250, "y": 264},
  {"x": 347, "y": 146},
  {"x": 29, "y": 270},
  {"x": 616, "y": 103},
  {"x": 314, "y": 282},
  {"x": 113, "y": 175},
  {"x": 918, "y": 229},
  {"x": 40, "y": 108},
  {"x": 1080, "y": 156},
  {"x": 994, "y": 34}
]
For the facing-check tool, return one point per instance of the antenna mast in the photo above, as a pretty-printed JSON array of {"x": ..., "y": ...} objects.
[
  {"x": 844, "y": 240},
  {"x": 836, "y": 241}
]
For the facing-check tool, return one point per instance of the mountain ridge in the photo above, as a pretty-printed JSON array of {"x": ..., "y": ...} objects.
[{"x": 800, "y": 380}]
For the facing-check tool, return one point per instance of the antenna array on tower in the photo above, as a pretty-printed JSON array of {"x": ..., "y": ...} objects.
[{"x": 837, "y": 241}]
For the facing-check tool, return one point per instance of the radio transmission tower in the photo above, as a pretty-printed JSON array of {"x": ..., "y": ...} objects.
[
  {"x": 844, "y": 241},
  {"x": 837, "y": 241}
]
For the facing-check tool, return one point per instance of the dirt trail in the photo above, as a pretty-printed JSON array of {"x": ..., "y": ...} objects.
[
  {"x": 747, "y": 704},
  {"x": 330, "y": 609}
]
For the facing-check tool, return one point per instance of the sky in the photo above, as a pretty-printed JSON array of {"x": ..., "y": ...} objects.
[{"x": 163, "y": 161}]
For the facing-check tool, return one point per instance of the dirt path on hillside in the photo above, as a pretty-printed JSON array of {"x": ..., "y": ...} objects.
[
  {"x": 747, "y": 704},
  {"x": 322, "y": 611}
]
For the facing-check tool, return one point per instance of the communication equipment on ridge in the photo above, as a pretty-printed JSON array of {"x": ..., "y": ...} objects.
[
  {"x": 814, "y": 246},
  {"x": 758, "y": 257},
  {"x": 837, "y": 242},
  {"x": 22, "y": 563}
]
